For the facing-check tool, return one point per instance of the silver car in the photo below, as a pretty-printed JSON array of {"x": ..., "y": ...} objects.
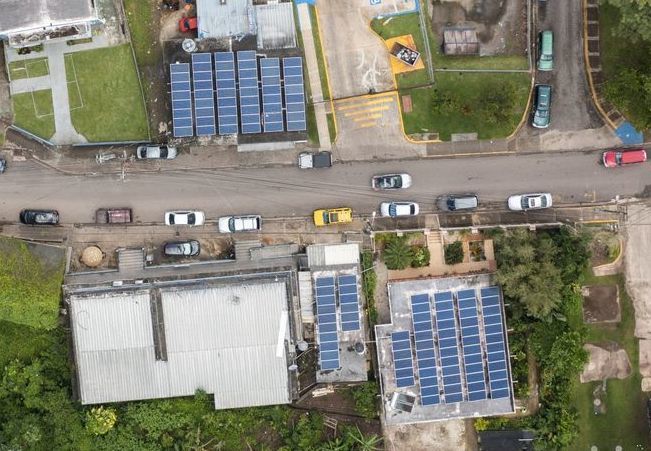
[
  {"x": 189, "y": 218},
  {"x": 534, "y": 201},
  {"x": 155, "y": 152},
  {"x": 232, "y": 224},
  {"x": 395, "y": 209},
  {"x": 188, "y": 248}
]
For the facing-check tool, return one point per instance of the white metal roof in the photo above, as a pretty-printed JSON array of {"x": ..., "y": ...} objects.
[
  {"x": 228, "y": 340},
  {"x": 218, "y": 19},
  {"x": 276, "y": 27},
  {"x": 319, "y": 255},
  {"x": 24, "y": 15}
]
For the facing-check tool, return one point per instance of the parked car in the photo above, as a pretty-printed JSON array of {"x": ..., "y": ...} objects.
[
  {"x": 311, "y": 160},
  {"x": 614, "y": 158},
  {"x": 3, "y": 165},
  {"x": 455, "y": 202},
  {"x": 546, "y": 51},
  {"x": 155, "y": 152},
  {"x": 395, "y": 209},
  {"x": 187, "y": 24},
  {"x": 391, "y": 181},
  {"x": 542, "y": 106},
  {"x": 189, "y": 218},
  {"x": 39, "y": 217},
  {"x": 232, "y": 224},
  {"x": 188, "y": 248},
  {"x": 113, "y": 216},
  {"x": 328, "y": 216},
  {"x": 535, "y": 201}
]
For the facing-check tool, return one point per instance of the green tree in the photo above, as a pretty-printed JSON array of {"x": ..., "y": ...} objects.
[
  {"x": 453, "y": 253},
  {"x": 421, "y": 256},
  {"x": 397, "y": 254},
  {"x": 365, "y": 397},
  {"x": 630, "y": 90},
  {"x": 635, "y": 19},
  {"x": 528, "y": 273}
]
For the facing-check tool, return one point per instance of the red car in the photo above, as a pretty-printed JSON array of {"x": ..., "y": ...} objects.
[
  {"x": 614, "y": 158},
  {"x": 187, "y": 24}
]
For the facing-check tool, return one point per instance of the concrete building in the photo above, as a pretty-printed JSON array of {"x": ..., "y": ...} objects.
[{"x": 32, "y": 22}]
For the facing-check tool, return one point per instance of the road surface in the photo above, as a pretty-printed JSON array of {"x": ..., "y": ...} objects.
[{"x": 283, "y": 192}]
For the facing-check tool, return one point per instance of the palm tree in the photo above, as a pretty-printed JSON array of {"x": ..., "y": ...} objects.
[
  {"x": 397, "y": 255},
  {"x": 364, "y": 442}
]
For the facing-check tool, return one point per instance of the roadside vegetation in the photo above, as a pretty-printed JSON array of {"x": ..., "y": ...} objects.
[
  {"x": 30, "y": 68},
  {"x": 33, "y": 111},
  {"x": 625, "y": 46},
  {"x": 401, "y": 252},
  {"x": 105, "y": 99}
]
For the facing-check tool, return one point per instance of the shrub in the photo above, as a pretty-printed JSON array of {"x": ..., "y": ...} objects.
[
  {"x": 421, "y": 256},
  {"x": 454, "y": 253},
  {"x": 365, "y": 397},
  {"x": 397, "y": 254}
]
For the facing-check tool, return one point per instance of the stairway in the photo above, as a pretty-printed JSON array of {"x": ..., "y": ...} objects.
[
  {"x": 243, "y": 249},
  {"x": 131, "y": 260}
]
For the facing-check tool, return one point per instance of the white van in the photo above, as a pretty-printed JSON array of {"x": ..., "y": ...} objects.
[{"x": 454, "y": 202}]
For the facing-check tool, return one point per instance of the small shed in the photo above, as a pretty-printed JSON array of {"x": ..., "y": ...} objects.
[
  {"x": 275, "y": 25},
  {"x": 460, "y": 41}
]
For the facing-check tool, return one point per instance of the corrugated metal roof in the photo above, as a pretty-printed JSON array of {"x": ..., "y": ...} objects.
[
  {"x": 220, "y": 20},
  {"x": 30, "y": 14},
  {"x": 276, "y": 27},
  {"x": 227, "y": 340},
  {"x": 319, "y": 255}
]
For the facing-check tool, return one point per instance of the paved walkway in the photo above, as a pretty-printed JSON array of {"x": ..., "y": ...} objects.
[
  {"x": 313, "y": 75},
  {"x": 30, "y": 84}
]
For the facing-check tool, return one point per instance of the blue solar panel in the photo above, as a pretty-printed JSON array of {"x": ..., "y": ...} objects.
[
  {"x": 402, "y": 358},
  {"x": 498, "y": 378},
  {"x": 425, "y": 352},
  {"x": 204, "y": 99},
  {"x": 327, "y": 321},
  {"x": 472, "y": 355},
  {"x": 181, "y": 100},
  {"x": 294, "y": 94},
  {"x": 348, "y": 302},
  {"x": 226, "y": 93},
  {"x": 448, "y": 348},
  {"x": 272, "y": 103},
  {"x": 247, "y": 74}
]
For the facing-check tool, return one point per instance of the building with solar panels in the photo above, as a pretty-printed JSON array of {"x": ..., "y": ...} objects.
[{"x": 445, "y": 354}]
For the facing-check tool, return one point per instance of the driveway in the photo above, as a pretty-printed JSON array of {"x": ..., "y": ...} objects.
[{"x": 358, "y": 60}]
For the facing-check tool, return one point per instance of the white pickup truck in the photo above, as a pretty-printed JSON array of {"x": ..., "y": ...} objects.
[{"x": 311, "y": 160}]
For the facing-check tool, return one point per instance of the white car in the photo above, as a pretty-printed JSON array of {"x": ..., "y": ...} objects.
[
  {"x": 395, "y": 209},
  {"x": 155, "y": 152},
  {"x": 535, "y": 201},
  {"x": 391, "y": 182},
  {"x": 232, "y": 224},
  {"x": 189, "y": 218}
]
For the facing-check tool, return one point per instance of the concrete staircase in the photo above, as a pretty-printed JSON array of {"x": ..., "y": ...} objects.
[
  {"x": 435, "y": 245},
  {"x": 243, "y": 249},
  {"x": 131, "y": 260}
]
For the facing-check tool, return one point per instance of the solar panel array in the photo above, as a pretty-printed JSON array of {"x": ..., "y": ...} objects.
[
  {"x": 247, "y": 74},
  {"x": 327, "y": 317},
  {"x": 472, "y": 354},
  {"x": 402, "y": 358},
  {"x": 272, "y": 102},
  {"x": 348, "y": 302},
  {"x": 181, "y": 99},
  {"x": 227, "y": 116},
  {"x": 448, "y": 347},
  {"x": 425, "y": 353},
  {"x": 294, "y": 94},
  {"x": 498, "y": 378},
  {"x": 238, "y": 95},
  {"x": 204, "y": 99},
  {"x": 453, "y": 361}
]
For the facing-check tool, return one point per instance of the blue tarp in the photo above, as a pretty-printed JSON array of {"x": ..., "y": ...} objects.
[
  {"x": 628, "y": 134},
  {"x": 309, "y": 2}
]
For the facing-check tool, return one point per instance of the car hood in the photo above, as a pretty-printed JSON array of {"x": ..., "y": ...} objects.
[
  {"x": 223, "y": 224},
  {"x": 514, "y": 203}
]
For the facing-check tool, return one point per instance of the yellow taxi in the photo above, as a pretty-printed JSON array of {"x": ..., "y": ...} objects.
[{"x": 329, "y": 216}]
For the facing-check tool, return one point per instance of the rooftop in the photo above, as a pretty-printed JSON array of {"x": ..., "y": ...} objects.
[
  {"x": 27, "y": 15},
  {"x": 220, "y": 19},
  {"x": 228, "y": 338},
  {"x": 445, "y": 354}
]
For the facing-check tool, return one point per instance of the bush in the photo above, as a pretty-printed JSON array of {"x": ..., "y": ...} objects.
[
  {"x": 454, "y": 253},
  {"x": 365, "y": 397},
  {"x": 369, "y": 282},
  {"x": 421, "y": 256},
  {"x": 397, "y": 254}
]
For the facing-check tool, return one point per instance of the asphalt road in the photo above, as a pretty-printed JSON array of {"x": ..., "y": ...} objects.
[{"x": 282, "y": 192}]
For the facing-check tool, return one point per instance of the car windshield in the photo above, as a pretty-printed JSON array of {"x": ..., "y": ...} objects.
[
  {"x": 393, "y": 210},
  {"x": 525, "y": 202},
  {"x": 231, "y": 224},
  {"x": 390, "y": 182},
  {"x": 543, "y": 201},
  {"x": 191, "y": 218},
  {"x": 172, "y": 217},
  {"x": 163, "y": 152}
]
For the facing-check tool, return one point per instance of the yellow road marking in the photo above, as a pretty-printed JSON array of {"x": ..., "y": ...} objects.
[
  {"x": 364, "y": 104},
  {"x": 366, "y": 111},
  {"x": 366, "y": 124},
  {"x": 367, "y": 117}
]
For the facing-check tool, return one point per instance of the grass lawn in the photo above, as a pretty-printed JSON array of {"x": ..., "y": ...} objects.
[
  {"x": 143, "y": 29},
  {"x": 625, "y": 420},
  {"x": 33, "y": 112},
  {"x": 466, "y": 118},
  {"x": 112, "y": 108},
  {"x": 28, "y": 68}
]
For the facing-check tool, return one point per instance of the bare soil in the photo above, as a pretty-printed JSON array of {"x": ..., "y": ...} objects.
[
  {"x": 606, "y": 362},
  {"x": 500, "y": 24},
  {"x": 601, "y": 303},
  {"x": 602, "y": 247}
]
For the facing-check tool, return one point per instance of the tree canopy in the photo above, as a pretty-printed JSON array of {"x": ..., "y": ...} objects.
[{"x": 635, "y": 19}]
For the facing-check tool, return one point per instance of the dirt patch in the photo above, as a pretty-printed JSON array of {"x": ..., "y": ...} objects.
[
  {"x": 601, "y": 303},
  {"x": 608, "y": 362},
  {"x": 604, "y": 248},
  {"x": 501, "y": 25},
  {"x": 433, "y": 436}
]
